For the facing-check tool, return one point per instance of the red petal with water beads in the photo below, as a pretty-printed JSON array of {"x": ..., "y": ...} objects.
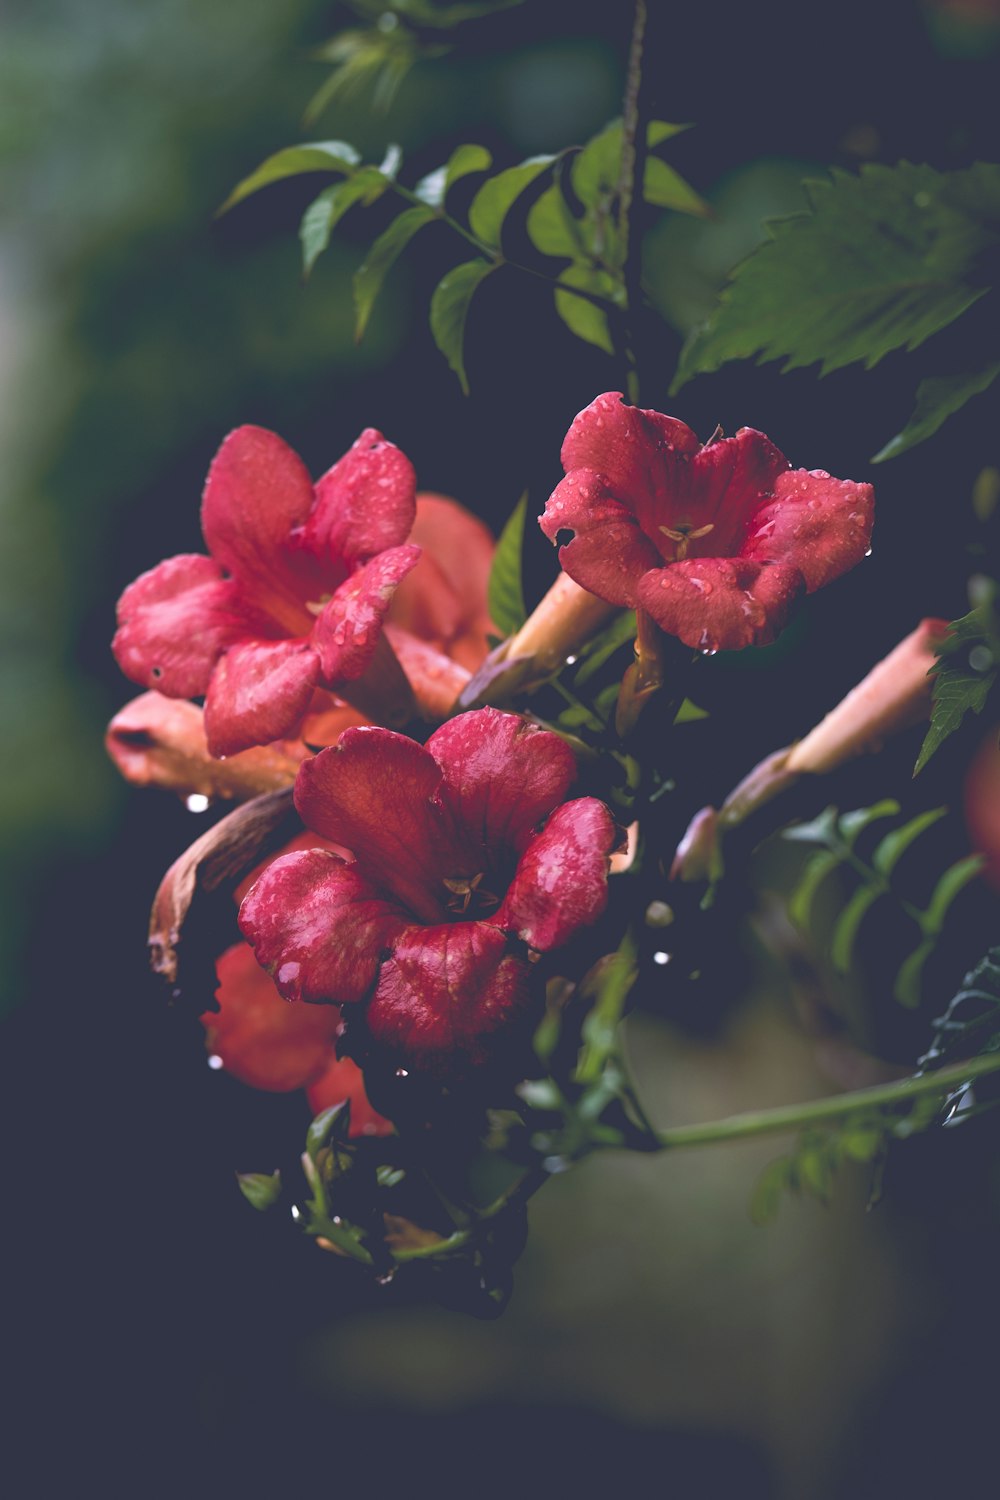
[
  {"x": 501, "y": 776},
  {"x": 174, "y": 621},
  {"x": 364, "y": 504},
  {"x": 342, "y": 1082},
  {"x": 821, "y": 526},
  {"x": 372, "y": 793},
  {"x": 561, "y": 882},
  {"x": 319, "y": 927},
  {"x": 348, "y": 629},
  {"x": 262, "y": 1039},
  {"x": 609, "y": 552},
  {"x": 619, "y": 442},
  {"x": 445, "y": 992},
  {"x": 720, "y": 603},
  {"x": 259, "y": 692}
]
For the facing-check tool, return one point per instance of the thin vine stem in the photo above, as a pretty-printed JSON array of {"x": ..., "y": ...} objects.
[
  {"x": 630, "y": 195},
  {"x": 788, "y": 1117}
]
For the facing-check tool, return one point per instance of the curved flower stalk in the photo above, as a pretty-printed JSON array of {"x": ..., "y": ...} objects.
[
  {"x": 468, "y": 861},
  {"x": 292, "y": 596},
  {"x": 715, "y": 541},
  {"x": 269, "y": 1044}
]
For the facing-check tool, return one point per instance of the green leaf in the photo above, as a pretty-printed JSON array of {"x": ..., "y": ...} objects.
[
  {"x": 772, "y": 1184},
  {"x": 852, "y": 824},
  {"x": 891, "y": 849},
  {"x": 880, "y": 261},
  {"x": 957, "y": 691},
  {"x": 819, "y": 830},
  {"x": 619, "y": 633},
  {"x": 971, "y": 1024},
  {"x": 260, "y": 1189},
  {"x": 588, "y": 322},
  {"x": 952, "y": 883},
  {"x": 597, "y": 169},
  {"x": 505, "y": 596},
  {"x": 552, "y": 229},
  {"x": 690, "y": 713},
  {"x": 816, "y": 869},
  {"x": 325, "y": 212},
  {"x": 380, "y": 259},
  {"x": 938, "y": 398},
  {"x": 320, "y": 156},
  {"x": 665, "y": 188},
  {"x": 433, "y": 189},
  {"x": 497, "y": 197},
  {"x": 450, "y": 308},
  {"x": 907, "y": 986},
  {"x": 846, "y": 930},
  {"x": 321, "y": 1129}
]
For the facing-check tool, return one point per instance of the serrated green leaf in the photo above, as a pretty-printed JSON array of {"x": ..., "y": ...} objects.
[
  {"x": 952, "y": 883},
  {"x": 381, "y": 258},
  {"x": 852, "y": 824},
  {"x": 907, "y": 986},
  {"x": 261, "y": 1189},
  {"x": 325, "y": 212},
  {"x": 816, "y": 869},
  {"x": 848, "y": 923},
  {"x": 497, "y": 197},
  {"x": 957, "y": 691},
  {"x": 665, "y": 188},
  {"x": 505, "y": 595},
  {"x": 450, "y": 309},
  {"x": 971, "y": 1024},
  {"x": 320, "y": 156},
  {"x": 433, "y": 189},
  {"x": 880, "y": 261},
  {"x": 588, "y": 322},
  {"x": 938, "y": 398},
  {"x": 891, "y": 849}
]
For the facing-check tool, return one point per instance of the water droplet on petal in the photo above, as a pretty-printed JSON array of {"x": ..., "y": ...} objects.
[
  {"x": 215, "y": 1062},
  {"x": 197, "y": 802}
]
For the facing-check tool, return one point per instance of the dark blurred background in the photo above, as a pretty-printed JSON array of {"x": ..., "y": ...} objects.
[{"x": 161, "y": 1334}]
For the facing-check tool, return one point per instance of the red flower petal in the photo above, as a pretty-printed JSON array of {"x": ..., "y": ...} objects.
[
  {"x": 618, "y": 440},
  {"x": 343, "y": 1082},
  {"x": 609, "y": 551},
  {"x": 561, "y": 883},
  {"x": 821, "y": 526},
  {"x": 259, "y": 692},
  {"x": 347, "y": 632},
  {"x": 258, "y": 492},
  {"x": 173, "y": 623},
  {"x": 721, "y": 485},
  {"x": 263, "y": 1040},
  {"x": 365, "y": 503},
  {"x": 501, "y": 777},
  {"x": 444, "y": 992},
  {"x": 443, "y": 601},
  {"x": 318, "y": 927},
  {"x": 372, "y": 793},
  {"x": 720, "y": 603}
]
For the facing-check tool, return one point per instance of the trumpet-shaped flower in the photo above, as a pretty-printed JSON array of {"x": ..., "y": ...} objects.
[{"x": 715, "y": 541}]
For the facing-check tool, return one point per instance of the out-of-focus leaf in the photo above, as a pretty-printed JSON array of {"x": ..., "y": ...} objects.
[
  {"x": 949, "y": 887},
  {"x": 505, "y": 595},
  {"x": 450, "y": 309},
  {"x": 848, "y": 924},
  {"x": 497, "y": 197},
  {"x": 665, "y": 188},
  {"x": 938, "y": 398},
  {"x": 433, "y": 189},
  {"x": 320, "y": 156},
  {"x": 381, "y": 257},
  {"x": 891, "y": 849},
  {"x": 261, "y": 1189}
]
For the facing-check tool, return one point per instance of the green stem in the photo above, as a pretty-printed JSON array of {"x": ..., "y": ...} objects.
[
  {"x": 633, "y": 171},
  {"x": 822, "y": 1111}
]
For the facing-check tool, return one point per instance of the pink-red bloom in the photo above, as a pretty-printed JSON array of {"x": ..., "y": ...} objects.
[
  {"x": 292, "y": 595},
  {"x": 466, "y": 859},
  {"x": 714, "y": 541}
]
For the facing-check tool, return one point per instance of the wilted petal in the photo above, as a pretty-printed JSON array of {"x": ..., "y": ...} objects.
[
  {"x": 720, "y": 603},
  {"x": 318, "y": 927},
  {"x": 258, "y": 492},
  {"x": 347, "y": 632},
  {"x": 444, "y": 992},
  {"x": 623, "y": 443},
  {"x": 821, "y": 526},
  {"x": 173, "y": 623},
  {"x": 372, "y": 793},
  {"x": 365, "y": 503},
  {"x": 259, "y": 692},
  {"x": 609, "y": 551},
  {"x": 263, "y": 1040},
  {"x": 158, "y": 741},
  {"x": 561, "y": 883},
  {"x": 502, "y": 775},
  {"x": 343, "y": 1083}
]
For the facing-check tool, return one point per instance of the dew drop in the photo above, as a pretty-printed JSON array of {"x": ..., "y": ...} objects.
[
  {"x": 197, "y": 802},
  {"x": 402, "y": 1072},
  {"x": 660, "y": 957},
  {"x": 215, "y": 1062},
  {"x": 296, "y": 1215},
  {"x": 571, "y": 661},
  {"x": 869, "y": 552}
]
